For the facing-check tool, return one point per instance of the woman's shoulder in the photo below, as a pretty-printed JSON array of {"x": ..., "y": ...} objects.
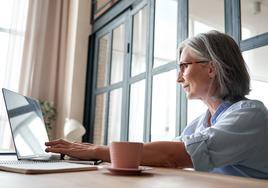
[
  {"x": 248, "y": 104},
  {"x": 245, "y": 113}
]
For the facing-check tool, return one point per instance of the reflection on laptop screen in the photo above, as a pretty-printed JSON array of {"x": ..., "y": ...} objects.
[{"x": 27, "y": 124}]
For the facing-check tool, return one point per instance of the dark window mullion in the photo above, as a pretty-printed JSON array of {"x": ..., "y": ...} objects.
[
  {"x": 254, "y": 42},
  {"x": 236, "y": 20},
  {"x": 126, "y": 86},
  {"x": 149, "y": 76},
  {"x": 181, "y": 110},
  {"x": 183, "y": 18},
  {"x": 108, "y": 88},
  {"x": 109, "y": 64},
  {"x": 106, "y": 126},
  {"x": 137, "y": 78},
  {"x": 232, "y": 17},
  {"x": 164, "y": 68},
  {"x": 89, "y": 104},
  {"x": 228, "y": 17}
]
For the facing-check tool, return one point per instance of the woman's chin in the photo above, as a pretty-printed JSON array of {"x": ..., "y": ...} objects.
[
  {"x": 191, "y": 96},
  {"x": 188, "y": 95}
]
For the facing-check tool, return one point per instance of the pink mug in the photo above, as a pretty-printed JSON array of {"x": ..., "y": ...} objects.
[{"x": 126, "y": 154}]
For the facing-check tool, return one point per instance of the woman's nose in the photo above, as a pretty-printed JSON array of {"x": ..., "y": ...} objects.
[{"x": 179, "y": 78}]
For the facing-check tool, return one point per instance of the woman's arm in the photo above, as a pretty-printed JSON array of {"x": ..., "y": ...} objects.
[
  {"x": 166, "y": 154},
  {"x": 162, "y": 153}
]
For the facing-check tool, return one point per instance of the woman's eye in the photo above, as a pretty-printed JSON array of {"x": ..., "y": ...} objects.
[{"x": 185, "y": 66}]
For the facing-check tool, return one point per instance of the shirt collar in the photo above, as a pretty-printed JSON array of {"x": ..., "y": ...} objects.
[{"x": 223, "y": 106}]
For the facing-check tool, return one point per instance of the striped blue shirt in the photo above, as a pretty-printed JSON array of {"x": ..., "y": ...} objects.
[{"x": 236, "y": 143}]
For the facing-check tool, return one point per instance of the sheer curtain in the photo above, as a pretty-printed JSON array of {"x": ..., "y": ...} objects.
[
  {"x": 13, "y": 14},
  {"x": 47, "y": 59}
]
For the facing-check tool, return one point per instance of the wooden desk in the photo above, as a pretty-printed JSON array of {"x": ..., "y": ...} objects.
[{"x": 156, "y": 178}]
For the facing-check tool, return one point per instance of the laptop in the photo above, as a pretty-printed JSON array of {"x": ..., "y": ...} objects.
[
  {"x": 29, "y": 135},
  {"x": 27, "y": 127}
]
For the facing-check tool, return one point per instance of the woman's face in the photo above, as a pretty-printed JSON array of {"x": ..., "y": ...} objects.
[{"x": 196, "y": 78}]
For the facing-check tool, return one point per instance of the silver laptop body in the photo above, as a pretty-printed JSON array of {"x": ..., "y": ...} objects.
[{"x": 27, "y": 127}]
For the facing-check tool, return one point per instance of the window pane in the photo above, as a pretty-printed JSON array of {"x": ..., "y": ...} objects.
[
  {"x": 118, "y": 54},
  {"x": 256, "y": 61},
  {"x": 253, "y": 18},
  {"x": 200, "y": 16},
  {"x": 195, "y": 109},
  {"x": 14, "y": 58},
  {"x": 258, "y": 88},
  {"x": 114, "y": 119},
  {"x": 4, "y": 38},
  {"x": 164, "y": 106},
  {"x": 99, "y": 121},
  {"x": 13, "y": 14},
  {"x": 136, "y": 111},
  {"x": 139, "y": 42},
  {"x": 103, "y": 55},
  {"x": 165, "y": 36},
  {"x": 6, "y": 13}
]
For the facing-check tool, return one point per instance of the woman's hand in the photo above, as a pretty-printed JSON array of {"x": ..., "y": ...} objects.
[{"x": 83, "y": 151}]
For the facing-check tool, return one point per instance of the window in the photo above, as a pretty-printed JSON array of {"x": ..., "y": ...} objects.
[
  {"x": 129, "y": 100},
  {"x": 12, "y": 28},
  {"x": 254, "y": 44}
]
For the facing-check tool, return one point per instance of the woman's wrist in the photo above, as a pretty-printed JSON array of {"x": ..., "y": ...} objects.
[{"x": 102, "y": 153}]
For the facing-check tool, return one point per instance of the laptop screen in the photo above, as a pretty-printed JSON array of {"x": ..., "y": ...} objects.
[{"x": 27, "y": 125}]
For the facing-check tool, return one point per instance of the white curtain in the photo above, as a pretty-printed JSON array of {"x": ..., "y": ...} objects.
[
  {"x": 53, "y": 43},
  {"x": 46, "y": 65},
  {"x": 13, "y": 14}
]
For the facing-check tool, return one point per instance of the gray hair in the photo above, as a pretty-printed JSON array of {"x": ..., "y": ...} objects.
[{"x": 232, "y": 77}]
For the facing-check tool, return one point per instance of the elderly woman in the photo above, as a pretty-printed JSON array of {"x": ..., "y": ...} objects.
[{"x": 231, "y": 137}]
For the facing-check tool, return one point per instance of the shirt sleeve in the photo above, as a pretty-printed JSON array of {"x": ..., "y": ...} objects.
[{"x": 231, "y": 140}]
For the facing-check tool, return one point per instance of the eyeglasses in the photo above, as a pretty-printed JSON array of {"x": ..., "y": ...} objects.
[{"x": 184, "y": 66}]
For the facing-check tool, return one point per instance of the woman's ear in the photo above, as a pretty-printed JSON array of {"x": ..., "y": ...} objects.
[{"x": 211, "y": 70}]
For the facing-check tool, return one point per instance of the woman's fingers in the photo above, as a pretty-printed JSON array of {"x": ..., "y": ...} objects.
[
  {"x": 65, "y": 151},
  {"x": 55, "y": 142},
  {"x": 73, "y": 149},
  {"x": 83, "y": 143},
  {"x": 56, "y": 150},
  {"x": 78, "y": 153},
  {"x": 60, "y": 146}
]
